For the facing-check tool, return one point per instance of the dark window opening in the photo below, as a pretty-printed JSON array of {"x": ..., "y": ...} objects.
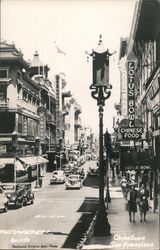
[
  {"x": 7, "y": 122},
  {"x": 3, "y": 73}
]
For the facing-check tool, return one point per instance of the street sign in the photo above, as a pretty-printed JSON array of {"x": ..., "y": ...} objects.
[
  {"x": 137, "y": 167},
  {"x": 131, "y": 94}
]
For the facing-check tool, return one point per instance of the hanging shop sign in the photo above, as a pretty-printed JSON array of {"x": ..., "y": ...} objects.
[
  {"x": 42, "y": 122},
  {"x": 131, "y": 133},
  {"x": 137, "y": 167},
  {"x": 57, "y": 110},
  {"x": 131, "y": 93}
]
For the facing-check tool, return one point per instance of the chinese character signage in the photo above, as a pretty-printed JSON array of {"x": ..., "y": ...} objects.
[
  {"x": 42, "y": 122},
  {"x": 57, "y": 109}
]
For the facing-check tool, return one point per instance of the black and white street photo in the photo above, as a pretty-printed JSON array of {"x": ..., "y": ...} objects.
[{"x": 80, "y": 124}]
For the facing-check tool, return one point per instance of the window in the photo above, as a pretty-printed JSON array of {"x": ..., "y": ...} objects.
[{"x": 3, "y": 73}]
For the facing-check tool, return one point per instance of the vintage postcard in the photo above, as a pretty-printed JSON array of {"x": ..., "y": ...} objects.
[{"x": 79, "y": 124}]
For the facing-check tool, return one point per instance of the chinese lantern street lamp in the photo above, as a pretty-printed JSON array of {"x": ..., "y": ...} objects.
[
  {"x": 14, "y": 146},
  {"x": 101, "y": 92}
]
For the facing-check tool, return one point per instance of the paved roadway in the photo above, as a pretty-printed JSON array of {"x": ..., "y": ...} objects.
[{"x": 49, "y": 222}]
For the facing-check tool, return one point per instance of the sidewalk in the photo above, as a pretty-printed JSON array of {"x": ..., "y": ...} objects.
[
  {"x": 45, "y": 182},
  {"x": 125, "y": 234}
]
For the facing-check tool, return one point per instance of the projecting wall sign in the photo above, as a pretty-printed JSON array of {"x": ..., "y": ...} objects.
[
  {"x": 131, "y": 94},
  {"x": 131, "y": 131}
]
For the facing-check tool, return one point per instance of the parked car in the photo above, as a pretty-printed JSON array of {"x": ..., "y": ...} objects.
[
  {"x": 3, "y": 201},
  {"x": 58, "y": 177},
  {"x": 93, "y": 171},
  {"x": 14, "y": 193},
  {"x": 28, "y": 194},
  {"x": 74, "y": 181}
]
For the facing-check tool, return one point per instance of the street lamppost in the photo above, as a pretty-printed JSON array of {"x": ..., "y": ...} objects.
[
  {"x": 101, "y": 92},
  {"x": 14, "y": 146}
]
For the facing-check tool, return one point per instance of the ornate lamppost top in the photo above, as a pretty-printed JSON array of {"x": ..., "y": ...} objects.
[{"x": 100, "y": 85}]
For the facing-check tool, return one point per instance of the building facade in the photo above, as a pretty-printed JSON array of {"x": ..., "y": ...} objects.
[
  {"x": 143, "y": 55},
  {"x": 20, "y": 101}
]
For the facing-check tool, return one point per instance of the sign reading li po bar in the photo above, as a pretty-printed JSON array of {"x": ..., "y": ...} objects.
[{"x": 131, "y": 94}]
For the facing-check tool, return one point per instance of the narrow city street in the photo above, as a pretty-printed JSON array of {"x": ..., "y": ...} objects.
[{"x": 49, "y": 222}]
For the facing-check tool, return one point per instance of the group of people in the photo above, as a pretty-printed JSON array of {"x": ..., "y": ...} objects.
[{"x": 135, "y": 198}]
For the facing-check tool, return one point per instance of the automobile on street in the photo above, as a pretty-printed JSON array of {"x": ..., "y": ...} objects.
[
  {"x": 28, "y": 194},
  {"x": 74, "y": 181},
  {"x": 58, "y": 177},
  {"x": 3, "y": 201},
  {"x": 15, "y": 194}
]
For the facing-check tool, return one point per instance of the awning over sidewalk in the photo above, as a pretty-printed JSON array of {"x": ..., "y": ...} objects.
[
  {"x": 4, "y": 161},
  {"x": 19, "y": 166},
  {"x": 34, "y": 160}
]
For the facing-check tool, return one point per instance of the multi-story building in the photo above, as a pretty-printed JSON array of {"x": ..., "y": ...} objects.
[
  {"x": 20, "y": 101},
  {"x": 73, "y": 123},
  {"x": 143, "y": 54},
  {"x": 144, "y": 42}
]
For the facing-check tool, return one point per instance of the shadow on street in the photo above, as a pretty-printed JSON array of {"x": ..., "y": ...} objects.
[
  {"x": 91, "y": 181},
  {"x": 88, "y": 208}
]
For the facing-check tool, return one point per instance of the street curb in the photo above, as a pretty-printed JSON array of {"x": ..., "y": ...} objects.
[{"x": 88, "y": 235}]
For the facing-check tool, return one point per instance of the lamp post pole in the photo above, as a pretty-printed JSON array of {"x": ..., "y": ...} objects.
[{"x": 100, "y": 90}]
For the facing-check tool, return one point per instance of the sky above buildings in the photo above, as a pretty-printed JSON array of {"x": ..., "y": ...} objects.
[{"x": 75, "y": 26}]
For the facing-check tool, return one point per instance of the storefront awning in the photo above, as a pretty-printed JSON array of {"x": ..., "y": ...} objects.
[
  {"x": 18, "y": 164},
  {"x": 42, "y": 160},
  {"x": 33, "y": 160},
  {"x": 4, "y": 161}
]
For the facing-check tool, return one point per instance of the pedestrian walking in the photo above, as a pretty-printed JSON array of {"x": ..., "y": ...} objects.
[
  {"x": 123, "y": 185},
  {"x": 132, "y": 195},
  {"x": 143, "y": 195}
]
